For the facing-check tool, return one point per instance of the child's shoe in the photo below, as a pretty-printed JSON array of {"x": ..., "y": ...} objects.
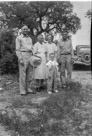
[
  {"x": 49, "y": 92},
  {"x": 56, "y": 91}
]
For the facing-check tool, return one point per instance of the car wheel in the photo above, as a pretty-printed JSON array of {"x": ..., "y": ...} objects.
[{"x": 86, "y": 57}]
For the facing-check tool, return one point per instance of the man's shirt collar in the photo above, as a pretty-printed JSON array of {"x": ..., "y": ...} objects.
[{"x": 24, "y": 35}]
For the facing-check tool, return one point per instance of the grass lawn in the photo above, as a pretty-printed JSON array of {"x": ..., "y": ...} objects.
[{"x": 67, "y": 113}]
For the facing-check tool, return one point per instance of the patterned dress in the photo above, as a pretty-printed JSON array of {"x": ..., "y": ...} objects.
[{"x": 40, "y": 71}]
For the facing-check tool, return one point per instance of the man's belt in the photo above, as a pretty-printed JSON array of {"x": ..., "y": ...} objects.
[
  {"x": 27, "y": 51},
  {"x": 65, "y": 53}
]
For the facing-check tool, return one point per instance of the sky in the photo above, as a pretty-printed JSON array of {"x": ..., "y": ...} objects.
[{"x": 82, "y": 37}]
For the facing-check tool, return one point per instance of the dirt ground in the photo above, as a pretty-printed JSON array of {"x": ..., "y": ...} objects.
[{"x": 84, "y": 77}]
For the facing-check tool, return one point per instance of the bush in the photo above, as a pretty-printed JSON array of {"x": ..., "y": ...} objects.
[{"x": 8, "y": 58}]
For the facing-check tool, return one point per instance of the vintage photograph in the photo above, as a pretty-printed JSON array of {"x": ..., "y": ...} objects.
[{"x": 45, "y": 68}]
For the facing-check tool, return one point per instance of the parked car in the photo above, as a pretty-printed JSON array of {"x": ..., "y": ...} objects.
[{"x": 82, "y": 55}]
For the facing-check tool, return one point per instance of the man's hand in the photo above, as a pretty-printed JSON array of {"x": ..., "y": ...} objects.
[
  {"x": 21, "y": 62},
  {"x": 72, "y": 60}
]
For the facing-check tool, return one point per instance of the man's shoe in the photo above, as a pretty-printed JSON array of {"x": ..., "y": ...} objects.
[
  {"x": 64, "y": 86},
  {"x": 38, "y": 89},
  {"x": 34, "y": 92},
  {"x": 23, "y": 94},
  {"x": 31, "y": 91},
  {"x": 42, "y": 87}
]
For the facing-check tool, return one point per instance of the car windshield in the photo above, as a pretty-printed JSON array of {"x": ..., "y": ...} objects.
[{"x": 84, "y": 49}]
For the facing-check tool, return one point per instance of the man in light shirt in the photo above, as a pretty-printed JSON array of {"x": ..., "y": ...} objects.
[
  {"x": 24, "y": 49},
  {"x": 65, "y": 55}
]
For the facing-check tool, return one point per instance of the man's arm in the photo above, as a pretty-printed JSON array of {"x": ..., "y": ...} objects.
[
  {"x": 18, "y": 46},
  {"x": 35, "y": 48},
  {"x": 58, "y": 50},
  {"x": 31, "y": 44},
  {"x": 72, "y": 52},
  {"x": 46, "y": 53},
  {"x": 55, "y": 50}
]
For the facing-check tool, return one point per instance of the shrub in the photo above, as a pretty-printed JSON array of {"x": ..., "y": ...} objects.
[{"x": 8, "y": 58}]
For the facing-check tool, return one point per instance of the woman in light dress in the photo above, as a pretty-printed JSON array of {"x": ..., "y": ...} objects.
[
  {"x": 51, "y": 46},
  {"x": 40, "y": 49}
]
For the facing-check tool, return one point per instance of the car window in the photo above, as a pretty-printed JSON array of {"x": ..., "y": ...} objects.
[{"x": 84, "y": 49}]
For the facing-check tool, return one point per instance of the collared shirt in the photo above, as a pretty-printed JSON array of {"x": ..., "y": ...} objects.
[
  {"x": 65, "y": 47},
  {"x": 52, "y": 63},
  {"x": 51, "y": 48},
  {"x": 23, "y": 43},
  {"x": 39, "y": 48}
]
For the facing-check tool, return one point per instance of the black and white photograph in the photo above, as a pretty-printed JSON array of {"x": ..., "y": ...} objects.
[{"x": 45, "y": 68}]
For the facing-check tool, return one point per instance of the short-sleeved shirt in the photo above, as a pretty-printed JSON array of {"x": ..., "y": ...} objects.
[
  {"x": 52, "y": 63},
  {"x": 51, "y": 48},
  {"x": 39, "y": 48},
  {"x": 23, "y": 43},
  {"x": 65, "y": 47}
]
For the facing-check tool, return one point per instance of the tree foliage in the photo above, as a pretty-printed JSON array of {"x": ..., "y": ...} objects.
[
  {"x": 41, "y": 16},
  {"x": 89, "y": 14},
  {"x": 8, "y": 58}
]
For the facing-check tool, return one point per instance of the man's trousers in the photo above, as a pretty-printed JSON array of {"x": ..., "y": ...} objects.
[
  {"x": 65, "y": 69},
  {"x": 25, "y": 73}
]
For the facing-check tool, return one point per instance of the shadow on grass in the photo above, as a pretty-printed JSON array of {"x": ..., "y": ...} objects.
[
  {"x": 81, "y": 67},
  {"x": 55, "y": 117}
]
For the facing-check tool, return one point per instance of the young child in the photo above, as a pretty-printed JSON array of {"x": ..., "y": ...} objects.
[{"x": 52, "y": 69}]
